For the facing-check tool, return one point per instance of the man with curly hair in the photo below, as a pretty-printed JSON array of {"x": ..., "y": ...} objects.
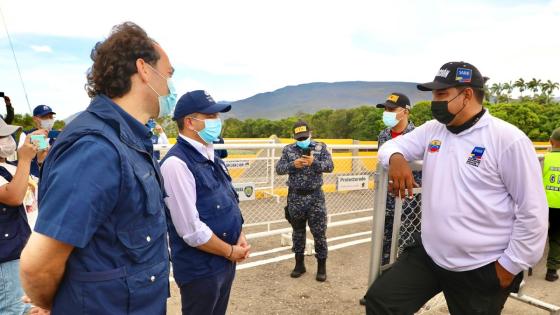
[{"x": 99, "y": 245}]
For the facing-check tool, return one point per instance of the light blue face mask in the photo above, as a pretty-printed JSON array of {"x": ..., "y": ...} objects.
[
  {"x": 390, "y": 119},
  {"x": 304, "y": 144},
  {"x": 212, "y": 129},
  {"x": 166, "y": 102}
]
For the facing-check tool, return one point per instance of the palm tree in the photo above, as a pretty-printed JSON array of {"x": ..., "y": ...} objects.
[
  {"x": 496, "y": 90},
  {"x": 548, "y": 88},
  {"x": 508, "y": 87},
  {"x": 520, "y": 85},
  {"x": 534, "y": 85}
]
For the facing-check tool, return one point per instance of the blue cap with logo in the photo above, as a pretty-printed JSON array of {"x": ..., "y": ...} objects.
[
  {"x": 42, "y": 110},
  {"x": 198, "y": 101}
]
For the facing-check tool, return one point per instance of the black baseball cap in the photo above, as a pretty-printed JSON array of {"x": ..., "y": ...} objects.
[
  {"x": 198, "y": 101},
  {"x": 455, "y": 73},
  {"x": 396, "y": 100},
  {"x": 301, "y": 130}
]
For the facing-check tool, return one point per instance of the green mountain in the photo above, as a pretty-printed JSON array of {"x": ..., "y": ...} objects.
[{"x": 312, "y": 97}]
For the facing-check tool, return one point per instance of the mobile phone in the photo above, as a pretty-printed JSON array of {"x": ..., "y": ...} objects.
[
  {"x": 41, "y": 141},
  {"x": 307, "y": 151},
  {"x": 1, "y": 94}
]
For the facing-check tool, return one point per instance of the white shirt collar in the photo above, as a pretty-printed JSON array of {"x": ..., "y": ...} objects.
[{"x": 206, "y": 150}]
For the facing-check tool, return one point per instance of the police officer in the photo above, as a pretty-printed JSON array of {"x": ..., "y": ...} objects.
[
  {"x": 551, "y": 180},
  {"x": 305, "y": 161},
  {"x": 396, "y": 117},
  {"x": 205, "y": 231},
  {"x": 99, "y": 245}
]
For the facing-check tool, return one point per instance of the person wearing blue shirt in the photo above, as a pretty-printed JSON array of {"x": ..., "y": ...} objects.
[{"x": 99, "y": 244}]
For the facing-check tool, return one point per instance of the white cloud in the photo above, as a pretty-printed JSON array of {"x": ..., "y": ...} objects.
[
  {"x": 276, "y": 43},
  {"x": 42, "y": 49}
]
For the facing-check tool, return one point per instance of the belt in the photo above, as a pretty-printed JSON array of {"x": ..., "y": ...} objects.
[
  {"x": 303, "y": 192},
  {"x": 95, "y": 276}
]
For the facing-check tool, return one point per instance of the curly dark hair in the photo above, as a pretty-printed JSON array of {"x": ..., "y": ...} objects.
[{"x": 114, "y": 60}]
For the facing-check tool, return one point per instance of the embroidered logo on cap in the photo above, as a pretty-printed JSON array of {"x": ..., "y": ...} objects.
[
  {"x": 393, "y": 98},
  {"x": 476, "y": 156},
  {"x": 208, "y": 97},
  {"x": 443, "y": 73},
  {"x": 300, "y": 129},
  {"x": 463, "y": 75},
  {"x": 434, "y": 146}
]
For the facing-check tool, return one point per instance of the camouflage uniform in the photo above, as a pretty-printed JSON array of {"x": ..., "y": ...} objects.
[
  {"x": 306, "y": 200},
  {"x": 410, "y": 208}
]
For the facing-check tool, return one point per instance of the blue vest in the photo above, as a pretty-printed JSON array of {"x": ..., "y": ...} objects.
[
  {"x": 218, "y": 207},
  {"x": 14, "y": 229},
  {"x": 132, "y": 239}
]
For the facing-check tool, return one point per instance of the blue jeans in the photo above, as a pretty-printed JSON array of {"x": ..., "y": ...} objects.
[{"x": 11, "y": 290}]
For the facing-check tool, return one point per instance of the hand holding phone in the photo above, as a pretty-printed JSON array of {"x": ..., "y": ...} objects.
[
  {"x": 41, "y": 141},
  {"x": 307, "y": 151}
]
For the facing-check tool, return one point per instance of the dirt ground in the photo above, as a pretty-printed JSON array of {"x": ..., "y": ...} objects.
[{"x": 268, "y": 289}]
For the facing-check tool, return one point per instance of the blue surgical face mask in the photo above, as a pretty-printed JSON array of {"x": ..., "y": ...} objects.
[
  {"x": 166, "y": 102},
  {"x": 212, "y": 129},
  {"x": 151, "y": 124},
  {"x": 390, "y": 119},
  {"x": 304, "y": 144}
]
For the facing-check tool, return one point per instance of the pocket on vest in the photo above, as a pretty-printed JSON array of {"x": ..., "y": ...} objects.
[
  {"x": 151, "y": 188},
  {"x": 12, "y": 240},
  {"x": 141, "y": 243},
  {"x": 147, "y": 288}
]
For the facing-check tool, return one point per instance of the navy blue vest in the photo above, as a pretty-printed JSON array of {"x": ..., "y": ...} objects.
[
  {"x": 14, "y": 229},
  {"x": 218, "y": 207},
  {"x": 133, "y": 237}
]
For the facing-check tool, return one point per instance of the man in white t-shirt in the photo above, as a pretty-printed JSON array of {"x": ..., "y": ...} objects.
[{"x": 484, "y": 211}]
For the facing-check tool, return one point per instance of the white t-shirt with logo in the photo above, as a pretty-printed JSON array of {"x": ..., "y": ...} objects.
[{"x": 482, "y": 194}]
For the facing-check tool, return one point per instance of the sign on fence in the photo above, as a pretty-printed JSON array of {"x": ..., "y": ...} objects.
[
  {"x": 352, "y": 182},
  {"x": 246, "y": 191},
  {"x": 236, "y": 163}
]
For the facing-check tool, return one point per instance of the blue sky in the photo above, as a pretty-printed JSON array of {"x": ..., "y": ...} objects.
[{"x": 235, "y": 49}]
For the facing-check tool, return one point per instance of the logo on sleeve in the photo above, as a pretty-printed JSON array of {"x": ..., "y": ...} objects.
[
  {"x": 434, "y": 146},
  {"x": 476, "y": 156}
]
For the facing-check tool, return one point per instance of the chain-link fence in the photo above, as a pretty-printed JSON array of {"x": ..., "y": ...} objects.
[{"x": 349, "y": 188}]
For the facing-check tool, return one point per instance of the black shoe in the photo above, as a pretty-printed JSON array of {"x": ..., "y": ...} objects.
[
  {"x": 299, "y": 269},
  {"x": 551, "y": 275},
  {"x": 321, "y": 270}
]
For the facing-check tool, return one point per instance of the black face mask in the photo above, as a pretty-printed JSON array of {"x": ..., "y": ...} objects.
[{"x": 440, "y": 110}]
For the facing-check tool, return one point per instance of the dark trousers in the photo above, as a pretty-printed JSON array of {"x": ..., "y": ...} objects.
[
  {"x": 414, "y": 279},
  {"x": 207, "y": 296},
  {"x": 553, "y": 259}
]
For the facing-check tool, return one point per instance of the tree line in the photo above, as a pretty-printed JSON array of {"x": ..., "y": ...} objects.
[
  {"x": 537, "y": 120},
  {"x": 536, "y": 113},
  {"x": 542, "y": 91}
]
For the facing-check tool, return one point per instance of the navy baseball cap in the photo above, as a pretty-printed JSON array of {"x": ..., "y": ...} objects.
[
  {"x": 42, "y": 110},
  {"x": 454, "y": 74},
  {"x": 198, "y": 101}
]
